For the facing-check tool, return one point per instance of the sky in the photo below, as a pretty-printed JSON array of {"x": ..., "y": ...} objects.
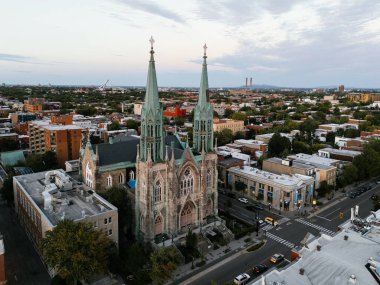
[{"x": 288, "y": 43}]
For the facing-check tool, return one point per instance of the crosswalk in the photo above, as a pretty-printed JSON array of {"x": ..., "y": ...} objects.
[
  {"x": 267, "y": 227},
  {"x": 322, "y": 229},
  {"x": 280, "y": 240}
]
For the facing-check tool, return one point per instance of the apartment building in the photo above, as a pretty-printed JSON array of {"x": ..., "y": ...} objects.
[
  {"x": 325, "y": 168},
  {"x": 253, "y": 147},
  {"x": 355, "y": 144},
  {"x": 64, "y": 140},
  {"x": 282, "y": 192},
  {"x": 234, "y": 125},
  {"x": 34, "y": 105},
  {"x": 43, "y": 199}
]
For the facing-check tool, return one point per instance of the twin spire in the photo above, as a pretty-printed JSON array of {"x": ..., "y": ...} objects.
[{"x": 152, "y": 131}]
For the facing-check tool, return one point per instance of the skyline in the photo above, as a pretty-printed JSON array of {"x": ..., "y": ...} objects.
[{"x": 288, "y": 44}]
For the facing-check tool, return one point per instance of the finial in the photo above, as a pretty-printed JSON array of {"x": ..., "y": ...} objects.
[
  {"x": 151, "y": 42},
  {"x": 205, "y": 49}
]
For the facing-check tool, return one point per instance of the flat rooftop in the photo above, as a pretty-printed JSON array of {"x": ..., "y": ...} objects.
[
  {"x": 295, "y": 163},
  {"x": 72, "y": 204},
  {"x": 313, "y": 159},
  {"x": 341, "y": 151},
  {"x": 249, "y": 142},
  {"x": 283, "y": 179},
  {"x": 337, "y": 260}
]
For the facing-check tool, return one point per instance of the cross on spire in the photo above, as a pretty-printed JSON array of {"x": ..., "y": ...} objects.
[
  {"x": 151, "y": 42},
  {"x": 205, "y": 49}
]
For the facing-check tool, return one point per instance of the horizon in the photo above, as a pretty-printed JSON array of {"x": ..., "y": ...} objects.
[{"x": 295, "y": 43}]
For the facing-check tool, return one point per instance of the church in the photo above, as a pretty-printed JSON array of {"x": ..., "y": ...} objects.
[
  {"x": 175, "y": 185},
  {"x": 174, "y": 193}
]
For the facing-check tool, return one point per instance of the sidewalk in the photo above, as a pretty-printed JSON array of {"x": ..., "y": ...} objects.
[{"x": 214, "y": 259}]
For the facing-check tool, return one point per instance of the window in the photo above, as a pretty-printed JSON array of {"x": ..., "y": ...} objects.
[
  {"x": 109, "y": 232},
  {"x": 109, "y": 220},
  {"x": 88, "y": 175},
  {"x": 209, "y": 178},
  {"x": 105, "y": 221},
  {"x": 187, "y": 183},
  {"x": 157, "y": 191},
  {"x": 131, "y": 175},
  {"x": 121, "y": 178},
  {"x": 95, "y": 224},
  {"x": 109, "y": 181}
]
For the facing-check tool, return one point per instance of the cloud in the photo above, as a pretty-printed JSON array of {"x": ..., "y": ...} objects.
[
  {"x": 153, "y": 9},
  {"x": 15, "y": 58}
]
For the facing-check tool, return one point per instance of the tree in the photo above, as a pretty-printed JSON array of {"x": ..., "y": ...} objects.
[
  {"x": 324, "y": 189},
  {"x": 224, "y": 137},
  {"x": 336, "y": 111},
  {"x": 278, "y": 144},
  {"x": 239, "y": 135},
  {"x": 300, "y": 147},
  {"x": 8, "y": 145},
  {"x": 164, "y": 262},
  {"x": 7, "y": 189},
  {"x": 191, "y": 240},
  {"x": 307, "y": 129},
  {"x": 75, "y": 250},
  {"x": 86, "y": 110},
  {"x": 118, "y": 196},
  {"x": 239, "y": 116},
  {"x": 350, "y": 174},
  {"x": 41, "y": 162},
  {"x": 228, "y": 113},
  {"x": 115, "y": 125},
  {"x": 132, "y": 124}
]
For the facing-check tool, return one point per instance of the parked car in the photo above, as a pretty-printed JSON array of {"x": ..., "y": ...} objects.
[
  {"x": 352, "y": 194},
  {"x": 260, "y": 268},
  {"x": 277, "y": 258},
  {"x": 242, "y": 279},
  {"x": 369, "y": 187},
  {"x": 375, "y": 197},
  {"x": 270, "y": 221},
  {"x": 258, "y": 206},
  {"x": 243, "y": 200}
]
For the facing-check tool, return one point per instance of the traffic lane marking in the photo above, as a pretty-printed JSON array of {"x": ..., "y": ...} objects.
[
  {"x": 322, "y": 218},
  {"x": 332, "y": 212}
]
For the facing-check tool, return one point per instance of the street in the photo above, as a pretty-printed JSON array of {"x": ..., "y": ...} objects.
[{"x": 289, "y": 233}]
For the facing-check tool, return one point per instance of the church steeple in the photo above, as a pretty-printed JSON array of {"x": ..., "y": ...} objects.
[
  {"x": 152, "y": 134},
  {"x": 203, "y": 114}
]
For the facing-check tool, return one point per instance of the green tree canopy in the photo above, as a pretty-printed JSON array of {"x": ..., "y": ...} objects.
[
  {"x": 132, "y": 124},
  {"x": 224, "y": 137},
  {"x": 228, "y": 113},
  {"x": 115, "y": 125},
  {"x": 164, "y": 262},
  {"x": 278, "y": 144},
  {"x": 239, "y": 116},
  {"x": 76, "y": 250}
]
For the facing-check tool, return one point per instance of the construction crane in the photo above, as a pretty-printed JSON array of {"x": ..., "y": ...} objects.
[{"x": 102, "y": 87}]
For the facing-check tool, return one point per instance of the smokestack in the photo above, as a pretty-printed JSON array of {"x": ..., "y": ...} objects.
[{"x": 250, "y": 83}]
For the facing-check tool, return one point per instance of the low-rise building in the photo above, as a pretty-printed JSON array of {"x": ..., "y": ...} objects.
[
  {"x": 286, "y": 192},
  {"x": 43, "y": 199},
  {"x": 343, "y": 155},
  {"x": 266, "y": 137},
  {"x": 234, "y": 125},
  {"x": 253, "y": 147},
  {"x": 349, "y": 257}
]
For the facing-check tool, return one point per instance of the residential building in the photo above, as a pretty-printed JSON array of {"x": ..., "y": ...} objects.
[
  {"x": 256, "y": 148},
  {"x": 355, "y": 144},
  {"x": 234, "y": 125},
  {"x": 63, "y": 140},
  {"x": 34, "y": 105},
  {"x": 43, "y": 199},
  {"x": 326, "y": 169},
  {"x": 266, "y": 137},
  {"x": 286, "y": 192},
  {"x": 225, "y": 163},
  {"x": 137, "y": 108},
  {"x": 343, "y": 155}
]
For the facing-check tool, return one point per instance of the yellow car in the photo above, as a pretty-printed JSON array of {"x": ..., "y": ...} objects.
[{"x": 270, "y": 221}]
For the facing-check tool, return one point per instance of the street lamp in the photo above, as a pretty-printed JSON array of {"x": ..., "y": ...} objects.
[{"x": 163, "y": 240}]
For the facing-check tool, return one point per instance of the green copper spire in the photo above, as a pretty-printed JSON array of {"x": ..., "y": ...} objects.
[
  {"x": 203, "y": 115},
  {"x": 152, "y": 134}
]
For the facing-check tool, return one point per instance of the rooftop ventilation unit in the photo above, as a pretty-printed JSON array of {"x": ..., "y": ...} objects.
[{"x": 352, "y": 279}]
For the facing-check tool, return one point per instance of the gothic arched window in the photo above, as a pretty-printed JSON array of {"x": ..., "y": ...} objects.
[
  {"x": 187, "y": 183},
  {"x": 109, "y": 181},
  {"x": 121, "y": 178},
  {"x": 131, "y": 175},
  {"x": 157, "y": 192},
  {"x": 209, "y": 178},
  {"x": 88, "y": 175}
]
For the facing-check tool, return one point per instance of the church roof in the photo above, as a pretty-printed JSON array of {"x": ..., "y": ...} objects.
[{"x": 126, "y": 150}]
